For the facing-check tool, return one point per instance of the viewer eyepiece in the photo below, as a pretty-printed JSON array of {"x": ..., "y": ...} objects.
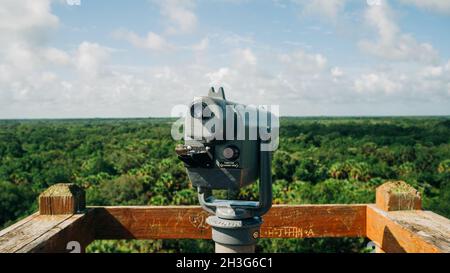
[
  {"x": 200, "y": 110},
  {"x": 231, "y": 153}
]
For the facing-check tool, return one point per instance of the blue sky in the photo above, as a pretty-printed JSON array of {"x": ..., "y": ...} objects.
[{"x": 141, "y": 58}]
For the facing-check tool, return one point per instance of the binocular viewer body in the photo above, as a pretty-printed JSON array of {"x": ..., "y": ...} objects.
[
  {"x": 223, "y": 141},
  {"x": 228, "y": 146}
]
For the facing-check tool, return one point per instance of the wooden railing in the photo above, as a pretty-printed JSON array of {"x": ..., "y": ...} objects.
[{"x": 395, "y": 223}]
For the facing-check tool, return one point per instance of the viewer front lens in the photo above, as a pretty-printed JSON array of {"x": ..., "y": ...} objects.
[{"x": 200, "y": 111}]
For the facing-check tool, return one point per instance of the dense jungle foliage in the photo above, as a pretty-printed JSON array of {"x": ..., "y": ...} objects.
[{"x": 132, "y": 162}]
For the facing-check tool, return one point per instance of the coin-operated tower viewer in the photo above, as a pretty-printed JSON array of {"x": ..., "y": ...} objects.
[{"x": 226, "y": 147}]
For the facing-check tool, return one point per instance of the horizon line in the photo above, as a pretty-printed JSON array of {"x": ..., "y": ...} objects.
[{"x": 284, "y": 116}]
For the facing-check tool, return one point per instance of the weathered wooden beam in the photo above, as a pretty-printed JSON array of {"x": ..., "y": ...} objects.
[
  {"x": 189, "y": 222},
  {"x": 48, "y": 233},
  {"x": 72, "y": 235},
  {"x": 395, "y": 231},
  {"x": 313, "y": 221},
  {"x": 18, "y": 224},
  {"x": 149, "y": 222},
  {"x": 57, "y": 227},
  {"x": 396, "y": 223},
  {"x": 413, "y": 231},
  {"x": 391, "y": 224}
]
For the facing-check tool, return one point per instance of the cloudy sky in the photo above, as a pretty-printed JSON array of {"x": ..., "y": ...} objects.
[{"x": 140, "y": 58}]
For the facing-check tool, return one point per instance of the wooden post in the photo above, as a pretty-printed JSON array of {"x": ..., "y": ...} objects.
[
  {"x": 398, "y": 195},
  {"x": 62, "y": 225},
  {"x": 61, "y": 199}
]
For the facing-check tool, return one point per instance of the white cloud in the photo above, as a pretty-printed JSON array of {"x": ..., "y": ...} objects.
[
  {"x": 377, "y": 83},
  {"x": 202, "y": 45},
  {"x": 218, "y": 76},
  {"x": 39, "y": 80},
  {"x": 56, "y": 56},
  {"x": 421, "y": 84},
  {"x": 90, "y": 59},
  {"x": 298, "y": 77},
  {"x": 25, "y": 27},
  {"x": 27, "y": 21},
  {"x": 245, "y": 56},
  {"x": 179, "y": 15},
  {"x": 233, "y": 39},
  {"x": 440, "y": 6},
  {"x": 391, "y": 43},
  {"x": 337, "y": 72},
  {"x": 434, "y": 71},
  {"x": 155, "y": 42},
  {"x": 303, "y": 62},
  {"x": 179, "y": 18},
  {"x": 151, "y": 41},
  {"x": 328, "y": 8}
]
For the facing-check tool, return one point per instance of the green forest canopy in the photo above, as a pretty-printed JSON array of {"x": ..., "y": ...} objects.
[{"x": 132, "y": 162}]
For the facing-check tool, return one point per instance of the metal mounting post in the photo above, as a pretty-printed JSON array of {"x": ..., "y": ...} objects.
[{"x": 236, "y": 224}]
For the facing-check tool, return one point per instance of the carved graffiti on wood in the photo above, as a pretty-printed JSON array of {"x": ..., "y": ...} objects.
[
  {"x": 288, "y": 232},
  {"x": 198, "y": 220}
]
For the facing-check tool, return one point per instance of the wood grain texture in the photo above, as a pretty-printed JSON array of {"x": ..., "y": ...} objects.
[
  {"x": 26, "y": 233},
  {"x": 408, "y": 231},
  {"x": 61, "y": 199},
  {"x": 18, "y": 224},
  {"x": 47, "y": 233},
  {"x": 169, "y": 222},
  {"x": 312, "y": 221},
  {"x": 189, "y": 222},
  {"x": 398, "y": 195},
  {"x": 395, "y": 231},
  {"x": 79, "y": 228}
]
